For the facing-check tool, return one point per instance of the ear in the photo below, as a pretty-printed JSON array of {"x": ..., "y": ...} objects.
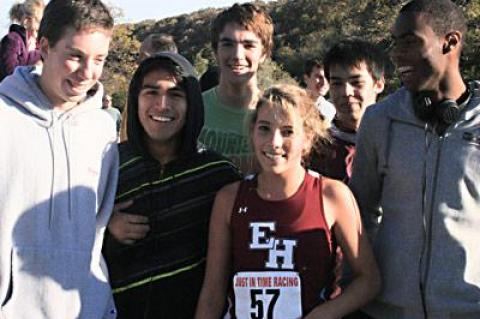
[
  {"x": 452, "y": 41},
  {"x": 305, "y": 78},
  {"x": 379, "y": 85},
  {"x": 263, "y": 58},
  {"x": 44, "y": 48}
]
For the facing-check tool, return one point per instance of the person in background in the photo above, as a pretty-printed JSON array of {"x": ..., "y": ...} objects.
[
  {"x": 154, "y": 43},
  {"x": 19, "y": 46},
  {"x": 273, "y": 236},
  {"x": 416, "y": 172},
  {"x": 157, "y": 239},
  {"x": 113, "y": 111},
  {"x": 317, "y": 86},
  {"x": 355, "y": 70},
  {"x": 58, "y": 171},
  {"x": 242, "y": 38}
]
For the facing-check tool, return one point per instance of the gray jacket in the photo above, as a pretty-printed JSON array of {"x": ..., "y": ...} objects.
[
  {"x": 58, "y": 176},
  {"x": 425, "y": 190}
]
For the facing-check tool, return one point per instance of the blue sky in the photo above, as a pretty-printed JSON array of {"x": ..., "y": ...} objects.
[{"x": 137, "y": 10}]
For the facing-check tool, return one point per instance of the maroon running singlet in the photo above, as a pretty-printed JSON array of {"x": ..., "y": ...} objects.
[{"x": 283, "y": 253}]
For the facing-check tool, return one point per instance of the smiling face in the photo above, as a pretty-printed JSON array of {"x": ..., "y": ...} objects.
[
  {"x": 239, "y": 54},
  {"x": 317, "y": 83},
  {"x": 418, "y": 53},
  {"x": 162, "y": 108},
  {"x": 279, "y": 139},
  {"x": 73, "y": 65},
  {"x": 352, "y": 89}
]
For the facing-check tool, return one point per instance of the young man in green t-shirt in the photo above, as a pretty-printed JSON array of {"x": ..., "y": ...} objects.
[{"x": 242, "y": 38}]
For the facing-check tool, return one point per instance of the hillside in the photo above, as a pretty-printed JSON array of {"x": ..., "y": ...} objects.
[{"x": 303, "y": 28}]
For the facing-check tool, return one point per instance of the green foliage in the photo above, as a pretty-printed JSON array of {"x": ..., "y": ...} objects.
[
  {"x": 204, "y": 59},
  {"x": 471, "y": 59},
  {"x": 303, "y": 29},
  {"x": 121, "y": 62},
  {"x": 119, "y": 99},
  {"x": 271, "y": 73}
]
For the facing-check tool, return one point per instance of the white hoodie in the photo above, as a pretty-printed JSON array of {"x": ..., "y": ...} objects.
[{"x": 58, "y": 174}]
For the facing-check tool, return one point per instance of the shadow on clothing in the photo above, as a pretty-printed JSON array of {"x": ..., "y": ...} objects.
[{"x": 51, "y": 257}]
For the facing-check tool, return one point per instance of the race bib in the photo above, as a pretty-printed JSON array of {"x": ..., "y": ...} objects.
[{"x": 267, "y": 295}]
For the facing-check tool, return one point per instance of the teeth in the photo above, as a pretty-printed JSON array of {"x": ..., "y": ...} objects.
[
  {"x": 161, "y": 118},
  {"x": 404, "y": 69},
  {"x": 273, "y": 156}
]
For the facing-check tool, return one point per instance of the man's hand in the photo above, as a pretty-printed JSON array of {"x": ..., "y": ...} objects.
[{"x": 127, "y": 228}]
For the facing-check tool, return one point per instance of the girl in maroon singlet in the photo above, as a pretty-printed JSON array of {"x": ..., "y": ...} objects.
[{"x": 273, "y": 236}]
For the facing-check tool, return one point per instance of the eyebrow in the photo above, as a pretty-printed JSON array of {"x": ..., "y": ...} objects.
[
  {"x": 80, "y": 52},
  {"x": 73, "y": 49},
  {"x": 263, "y": 122},
  {"x": 230, "y": 40},
  {"x": 403, "y": 35},
  {"x": 353, "y": 77},
  {"x": 156, "y": 87}
]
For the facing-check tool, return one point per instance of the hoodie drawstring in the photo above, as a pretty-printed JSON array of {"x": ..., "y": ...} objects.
[
  {"x": 67, "y": 155},
  {"x": 65, "y": 139},
  {"x": 52, "y": 185}
]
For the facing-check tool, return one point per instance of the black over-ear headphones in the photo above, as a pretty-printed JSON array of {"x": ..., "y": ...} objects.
[{"x": 445, "y": 112}]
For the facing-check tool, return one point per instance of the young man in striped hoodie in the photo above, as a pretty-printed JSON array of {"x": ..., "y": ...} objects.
[{"x": 157, "y": 238}]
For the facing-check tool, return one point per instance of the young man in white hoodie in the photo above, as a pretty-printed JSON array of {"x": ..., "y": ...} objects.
[{"x": 58, "y": 171}]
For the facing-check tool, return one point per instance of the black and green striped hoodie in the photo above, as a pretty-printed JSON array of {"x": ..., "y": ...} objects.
[{"x": 160, "y": 276}]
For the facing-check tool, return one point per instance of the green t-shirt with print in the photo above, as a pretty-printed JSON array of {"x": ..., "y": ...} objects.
[{"x": 226, "y": 131}]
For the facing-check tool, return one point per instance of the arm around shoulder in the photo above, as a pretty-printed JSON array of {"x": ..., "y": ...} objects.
[{"x": 214, "y": 289}]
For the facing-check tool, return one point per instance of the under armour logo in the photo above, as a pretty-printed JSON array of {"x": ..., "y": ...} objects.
[{"x": 242, "y": 210}]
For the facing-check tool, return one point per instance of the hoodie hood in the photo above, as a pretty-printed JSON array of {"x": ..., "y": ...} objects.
[
  {"x": 195, "y": 111},
  {"x": 58, "y": 176},
  {"x": 24, "y": 90}
]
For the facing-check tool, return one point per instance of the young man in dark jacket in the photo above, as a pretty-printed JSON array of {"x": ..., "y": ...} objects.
[{"x": 157, "y": 239}]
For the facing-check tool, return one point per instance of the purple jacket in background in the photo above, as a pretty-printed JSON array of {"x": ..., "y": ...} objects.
[{"x": 14, "y": 51}]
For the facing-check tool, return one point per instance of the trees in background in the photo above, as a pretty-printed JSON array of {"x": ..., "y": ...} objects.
[{"x": 303, "y": 29}]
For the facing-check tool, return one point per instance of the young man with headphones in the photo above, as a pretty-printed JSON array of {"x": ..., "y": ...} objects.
[{"x": 416, "y": 174}]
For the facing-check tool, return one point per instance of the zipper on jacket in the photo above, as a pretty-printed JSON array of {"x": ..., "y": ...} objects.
[
  {"x": 427, "y": 252},
  {"x": 427, "y": 144}
]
